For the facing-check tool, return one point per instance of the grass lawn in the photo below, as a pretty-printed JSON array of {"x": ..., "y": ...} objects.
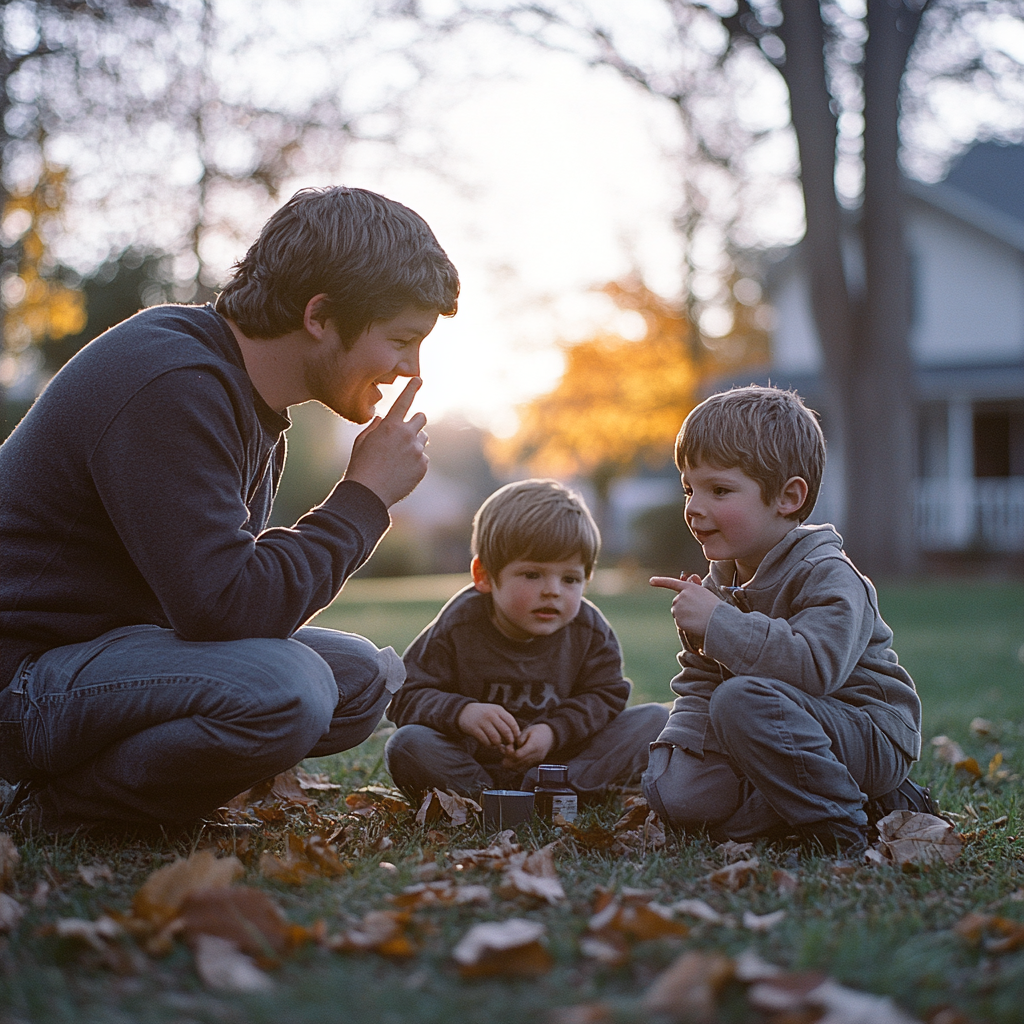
[{"x": 875, "y": 929}]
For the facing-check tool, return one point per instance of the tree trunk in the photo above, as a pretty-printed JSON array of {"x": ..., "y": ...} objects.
[{"x": 882, "y": 415}]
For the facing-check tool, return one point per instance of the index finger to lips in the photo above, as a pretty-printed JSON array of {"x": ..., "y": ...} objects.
[{"x": 403, "y": 403}]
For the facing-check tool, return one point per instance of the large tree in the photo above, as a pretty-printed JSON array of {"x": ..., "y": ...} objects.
[{"x": 847, "y": 68}]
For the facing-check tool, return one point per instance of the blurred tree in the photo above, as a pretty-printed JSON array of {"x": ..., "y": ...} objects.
[
  {"x": 620, "y": 402},
  {"x": 845, "y": 66}
]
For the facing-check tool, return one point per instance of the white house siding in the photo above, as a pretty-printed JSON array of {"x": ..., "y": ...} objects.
[{"x": 969, "y": 293}]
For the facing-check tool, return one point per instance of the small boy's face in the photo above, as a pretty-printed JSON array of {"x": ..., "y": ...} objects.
[
  {"x": 533, "y": 599},
  {"x": 727, "y": 514}
]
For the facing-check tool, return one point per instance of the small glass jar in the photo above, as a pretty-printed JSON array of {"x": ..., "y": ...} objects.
[{"x": 553, "y": 795}]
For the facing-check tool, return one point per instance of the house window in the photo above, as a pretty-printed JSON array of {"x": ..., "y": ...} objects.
[{"x": 999, "y": 441}]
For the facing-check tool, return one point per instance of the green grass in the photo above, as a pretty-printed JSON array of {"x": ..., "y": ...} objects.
[{"x": 878, "y": 930}]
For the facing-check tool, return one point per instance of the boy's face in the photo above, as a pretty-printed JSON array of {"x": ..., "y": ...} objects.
[
  {"x": 727, "y": 514},
  {"x": 533, "y": 598}
]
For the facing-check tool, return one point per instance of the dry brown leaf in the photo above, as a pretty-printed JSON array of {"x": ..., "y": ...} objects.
[
  {"x": 594, "y": 837},
  {"x": 981, "y": 727},
  {"x": 441, "y": 893},
  {"x": 634, "y": 815},
  {"x": 734, "y": 876},
  {"x": 380, "y": 931},
  {"x": 496, "y": 856},
  {"x": 102, "y": 938},
  {"x": 319, "y": 783},
  {"x": 648, "y": 838},
  {"x": 371, "y": 799},
  {"x": 762, "y": 922},
  {"x": 703, "y": 912},
  {"x": 511, "y": 948},
  {"x": 910, "y": 837},
  {"x": 974, "y": 926},
  {"x": 608, "y": 948},
  {"x": 306, "y": 858},
  {"x": 515, "y": 882},
  {"x": 93, "y": 874},
  {"x": 783, "y": 991},
  {"x": 948, "y": 751},
  {"x": 688, "y": 989},
  {"x": 162, "y": 894},
  {"x": 846, "y": 1006},
  {"x": 223, "y": 966},
  {"x": 637, "y": 921},
  {"x": 731, "y": 851},
  {"x": 438, "y": 806},
  {"x": 246, "y": 917},
  {"x": 9, "y": 860},
  {"x": 749, "y": 967},
  {"x": 787, "y": 884},
  {"x": 11, "y": 913}
]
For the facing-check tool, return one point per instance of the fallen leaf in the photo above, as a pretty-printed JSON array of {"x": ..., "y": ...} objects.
[
  {"x": 948, "y": 751},
  {"x": 787, "y": 884},
  {"x": 749, "y": 967},
  {"x": 9, "y": 860},
  {"x": 634, "y": 815},
  {"x": 246, "y": 917},
  {"x": 11, "y": 913},
  {"x": 380, "y": 931},
  {"x": 1010, "y": 932},
  {"x": 319, "y": 783},
  {"x": 981, "y": 727},
  {"x": 102, "y": 938},
  {"x": 515, "y": 882},
  {"x": 734, "y": 876},
  {"x": 438, "y": 805},
  {"x": 594, "y": 837},
  {"x": 846, "y": 1006},
  {"x": 689, "y": 988},
  {"x": 911, "y": 837},
  {"x": 503, "y": 948},
  {"x": 762, "y": 922},
  {"x": 731, "y": 851},
  {"x": 637, "y": 921},
  {"x": 223, "y": 966},
  {"x": 968, "y": 769},
  {"x": 441, "y": 893},
  {"x": 607, "y": 948},
  {"x": 370, "y": 799},
  {"x": 784, "y": 992},
  {"x": 162, "y": 894},
  {"x": 648, "y": 838},
  {"x": 306, "y": 858},
  {"x": 702, "y": 911},
  {"x": 496, "y": 856},
  {"x": 93, "y": 874}
]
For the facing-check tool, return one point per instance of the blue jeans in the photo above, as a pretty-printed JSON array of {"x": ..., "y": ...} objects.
[{"x": 140, "y": 726}]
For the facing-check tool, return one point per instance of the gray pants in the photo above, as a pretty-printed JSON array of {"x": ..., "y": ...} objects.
[
  {"x": 420, "y": 758},
  {"x": 774, "y": 758}
]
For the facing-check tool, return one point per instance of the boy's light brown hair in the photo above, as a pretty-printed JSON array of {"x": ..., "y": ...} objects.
[
  {"x": 766, "y": 432},
  {"x": 536, "y": 521}
]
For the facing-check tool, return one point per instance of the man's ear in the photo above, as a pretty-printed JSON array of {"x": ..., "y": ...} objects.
[
  {"x": 313, "y": 318},
  {"x": 794, "y": 494},
  {"x": 481, "y": 577}
]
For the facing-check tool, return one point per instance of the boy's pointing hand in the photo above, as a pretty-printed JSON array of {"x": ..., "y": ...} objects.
[{"x": 692, "y": 605}]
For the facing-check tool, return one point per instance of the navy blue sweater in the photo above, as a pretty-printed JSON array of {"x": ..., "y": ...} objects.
[{"x": 138, "y": 487}]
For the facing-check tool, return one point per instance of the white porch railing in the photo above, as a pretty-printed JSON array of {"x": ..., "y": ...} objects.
[{"x": 994, "y": 520}]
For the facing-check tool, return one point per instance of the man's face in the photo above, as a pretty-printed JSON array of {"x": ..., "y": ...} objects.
[{"x": 346, "y": 380}]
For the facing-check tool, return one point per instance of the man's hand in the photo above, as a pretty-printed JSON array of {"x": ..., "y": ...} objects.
[
  {"x": 534, "y": 744},
  {"x": 490, "y": 724},
  {"x": 692, "y": 605},
  {"x": 388, "y": 455}
]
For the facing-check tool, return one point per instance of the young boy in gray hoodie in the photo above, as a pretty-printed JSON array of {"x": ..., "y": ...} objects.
[{"x": 792, "y": 710}]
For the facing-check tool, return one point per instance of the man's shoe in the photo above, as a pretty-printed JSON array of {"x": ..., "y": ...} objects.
[
  {"x": 835, "y": 838},
  {"x": 907, "y": 796}
]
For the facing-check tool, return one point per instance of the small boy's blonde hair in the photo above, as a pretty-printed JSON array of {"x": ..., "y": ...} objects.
[
  {"x": 766, "y": 432},
  {"x": 536, "y": 521}
]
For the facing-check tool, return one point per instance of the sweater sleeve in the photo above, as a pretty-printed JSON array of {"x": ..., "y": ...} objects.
[
  {"x": 172, "y": 477},
  {"x": 815, "y": 648},
  {"x": 599, "y": 694},
  {"x": 431, "y": 694}
]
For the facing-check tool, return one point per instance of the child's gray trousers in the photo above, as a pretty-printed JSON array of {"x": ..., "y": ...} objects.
[
  {"x": 774, "y": 757},
  {"x": 420, "y": 758}
]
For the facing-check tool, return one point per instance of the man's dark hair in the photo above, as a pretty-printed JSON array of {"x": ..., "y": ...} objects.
[{"x": 371, "y": 256}]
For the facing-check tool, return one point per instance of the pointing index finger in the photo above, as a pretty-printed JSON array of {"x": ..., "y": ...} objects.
[{"x": 403, "y": 403}]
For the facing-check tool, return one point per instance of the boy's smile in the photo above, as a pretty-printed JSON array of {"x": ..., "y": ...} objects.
[
  {"x": 727, "y": 514},
  {"x": 533, "y": 599}
]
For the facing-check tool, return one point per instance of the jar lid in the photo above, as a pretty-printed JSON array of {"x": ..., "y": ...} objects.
[{"x": 553, "y": 774}]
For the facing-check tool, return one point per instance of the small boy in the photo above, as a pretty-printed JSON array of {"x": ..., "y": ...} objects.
[
  {"x": 792, "y": 709},
  {"x": 520, "y": 669}
]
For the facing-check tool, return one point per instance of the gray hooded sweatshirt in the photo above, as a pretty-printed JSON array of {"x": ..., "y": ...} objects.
[{"x": 807, "y": 618}]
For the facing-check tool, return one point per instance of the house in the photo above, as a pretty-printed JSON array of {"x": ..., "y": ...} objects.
[{"x": 966, "y": 241}]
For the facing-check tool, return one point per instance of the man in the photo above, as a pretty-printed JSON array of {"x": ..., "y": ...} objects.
[{"x": 153, "y": 657}]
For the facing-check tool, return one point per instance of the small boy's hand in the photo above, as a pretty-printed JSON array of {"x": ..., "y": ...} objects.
[
  {"x": 534, "y": 744},
  {"x": 692, "y": 605},
  {"x": 490, "y": 724}
]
